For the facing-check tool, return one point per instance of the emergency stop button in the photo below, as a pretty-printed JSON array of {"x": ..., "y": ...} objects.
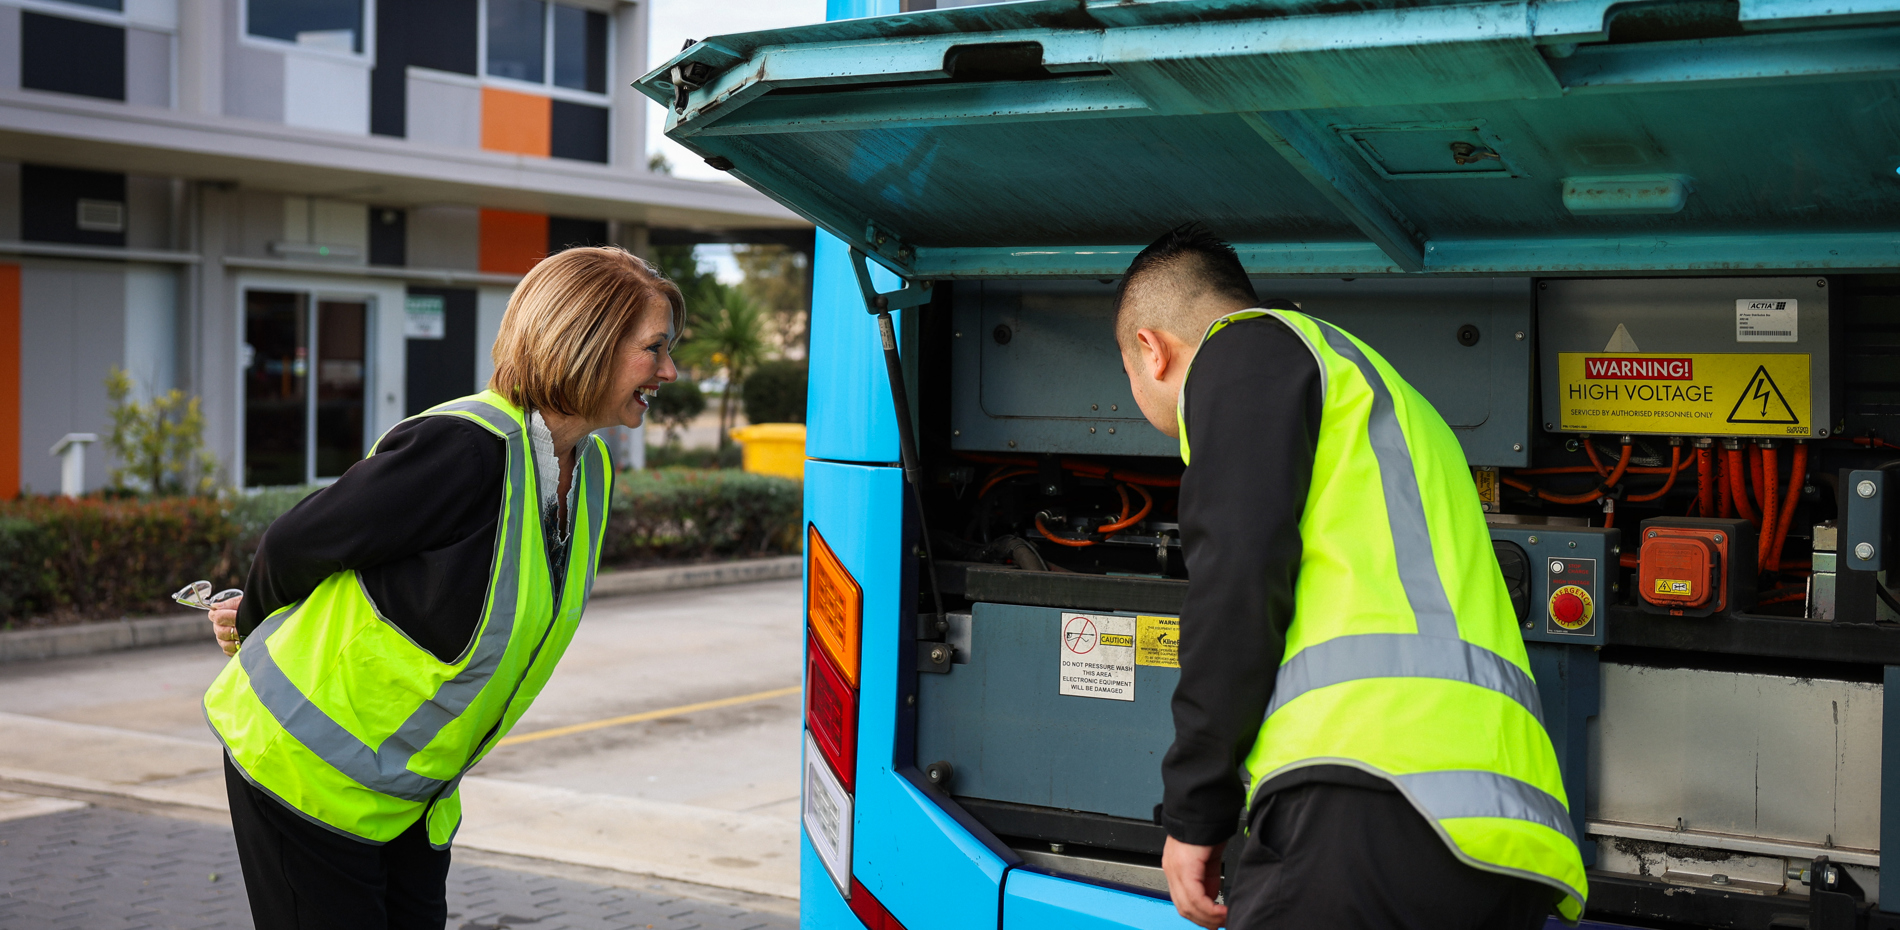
[{"x": 1571, "y": 607}]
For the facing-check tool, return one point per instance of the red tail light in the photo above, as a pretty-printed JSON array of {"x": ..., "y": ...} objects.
[
  {"x": 831, "y": 713},
  {"x": 870, "y": 910}
]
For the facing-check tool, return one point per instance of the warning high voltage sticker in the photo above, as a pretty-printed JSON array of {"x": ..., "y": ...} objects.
[{"x": 1685, "y": 395}]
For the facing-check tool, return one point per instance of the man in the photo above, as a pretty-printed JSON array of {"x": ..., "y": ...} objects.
[{"x": 1352, "y": 676}]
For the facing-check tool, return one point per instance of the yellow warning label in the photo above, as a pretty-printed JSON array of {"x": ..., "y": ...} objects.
[
  {"x": 1158, "y": 641},
  {"x": 1116, "y": 639},
  {"x": 1486, "y": 478},
  {"x": 1674, "y": 586},
  {"x": 1687, "y": 395}
]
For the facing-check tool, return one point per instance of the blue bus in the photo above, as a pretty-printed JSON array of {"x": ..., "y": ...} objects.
[{"x": 1644, "y": 257}]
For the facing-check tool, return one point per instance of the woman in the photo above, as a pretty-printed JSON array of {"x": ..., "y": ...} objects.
[{"x": 397, "y": 623}]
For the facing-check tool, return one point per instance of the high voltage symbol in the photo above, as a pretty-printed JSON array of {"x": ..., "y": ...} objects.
[{"x": 1761, "y": 402}]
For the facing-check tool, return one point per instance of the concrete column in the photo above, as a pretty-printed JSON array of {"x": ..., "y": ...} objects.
[
  {"x": 201, "y": 56},
  {"x": 216, "y": 330},
  {"x": 629, "y": 145}
]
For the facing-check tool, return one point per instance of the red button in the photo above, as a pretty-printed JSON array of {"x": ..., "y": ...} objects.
[{"x": 1566, "y": 607}]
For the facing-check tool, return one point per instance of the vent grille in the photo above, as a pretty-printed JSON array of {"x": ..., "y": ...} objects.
[{"x": 102, "y": 216}]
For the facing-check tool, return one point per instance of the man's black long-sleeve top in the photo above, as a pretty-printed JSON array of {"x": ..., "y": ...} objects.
[
  {"x": 417, "y": 521},
  {"x": 1252, "y": 411}
]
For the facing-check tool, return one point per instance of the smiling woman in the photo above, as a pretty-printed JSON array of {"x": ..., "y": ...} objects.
[{"x": 398, "y": 622}]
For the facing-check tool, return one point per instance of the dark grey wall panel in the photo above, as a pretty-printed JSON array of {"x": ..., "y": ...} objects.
[
  {"x": 442, "y": 369},
  {"x": 565, "y": 232},
  {"x": 388, "y": 236},
  {"x": 72, "y": 57},
  {"x": 49, "y": 204},
  {"x": 579, "y": 132}
]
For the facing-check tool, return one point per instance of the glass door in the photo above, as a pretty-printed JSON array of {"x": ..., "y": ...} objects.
[{"x": 297, "y": 432}]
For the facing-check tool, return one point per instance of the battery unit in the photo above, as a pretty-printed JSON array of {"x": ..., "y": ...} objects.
[
  {"x": 1738, "y": 357},
  {"x": 1559, "y": 578},
  {"x": 1696, "y": 566}
]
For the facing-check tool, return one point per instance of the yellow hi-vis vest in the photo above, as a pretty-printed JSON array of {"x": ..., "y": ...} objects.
[
  {"x": 1403, "y": 658},
  {"x": 333, "y": 711}
]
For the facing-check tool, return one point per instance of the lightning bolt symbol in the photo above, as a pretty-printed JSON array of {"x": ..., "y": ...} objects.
[{"x": 1761, "y": 394}]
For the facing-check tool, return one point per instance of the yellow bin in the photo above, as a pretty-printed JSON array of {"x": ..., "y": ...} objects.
[{"x": 773, "y": 449}]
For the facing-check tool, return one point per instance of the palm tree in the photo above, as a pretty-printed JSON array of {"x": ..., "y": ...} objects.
[{"x": 730, "y": 335}]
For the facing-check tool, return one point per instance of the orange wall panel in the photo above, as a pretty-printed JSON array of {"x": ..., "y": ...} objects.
[
  {"x": 10, "y": 367},
  {"x": 511, "y": 243},
  {"x": 518, "y": 123}
]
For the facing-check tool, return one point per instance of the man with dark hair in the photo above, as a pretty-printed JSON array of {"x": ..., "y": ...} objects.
[{"x": 1352, "y": 678}]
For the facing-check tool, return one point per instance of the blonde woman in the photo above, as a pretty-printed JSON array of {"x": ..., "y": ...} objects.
[{"x": 397, "y": 623}]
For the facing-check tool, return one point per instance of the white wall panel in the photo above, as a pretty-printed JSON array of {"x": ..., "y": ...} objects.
[
  {"x": 444, "y": 109},
  {"x": 490, "y": 304},
  {"x": 72, "y": 331},
  {"x": 159, "y": 14},
  {"x": 151, "y": 329},
  {"x": 444, "y": 236},
  {"x": 148, "y": 68},
  {"x": 325, "y": 93}
]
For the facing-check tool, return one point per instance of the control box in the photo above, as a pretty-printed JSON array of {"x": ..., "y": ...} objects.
[
  {"x": 1697, "y": 566},
  {"x": 1559, "y": 578}
]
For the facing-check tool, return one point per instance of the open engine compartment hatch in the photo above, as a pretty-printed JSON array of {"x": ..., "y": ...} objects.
[{"x": 1054, "y": 137}]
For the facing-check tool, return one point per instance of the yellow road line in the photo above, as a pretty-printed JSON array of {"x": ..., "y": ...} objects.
[{"x": 649, "y": 715}]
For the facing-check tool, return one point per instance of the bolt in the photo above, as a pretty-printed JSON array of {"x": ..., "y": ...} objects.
[
  {"x": 1864, "y": 489},
  {"x": 1520, "y": 336},
  {"x": 1652, "y": 534},
  {"x": 1616, "y": 550},
  {"x": 1533, "y": 540},
  {"x": 1095, "y": 406},
  {"x": 1114, "y": 406},
  {"x": 1111, "y": 431},
  {"x": 1718, "y": 879},
  {"x": 1517, "y": 447},
  {"x": 938, "y": 655},
  {"x": 1091, "y": 429},
  {"x": 1549, "y": 426},
  {"x": 958, "y": 335},
  {"x": 956, "y": 432},
  {"x": 1012, "y": 444},
  {"x": 911, "y": 700},
  {"x": 1718, "y": 537},
  {"x": 1864, "y": 552}
]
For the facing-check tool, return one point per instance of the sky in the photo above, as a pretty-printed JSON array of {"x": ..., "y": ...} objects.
[{"x": 672, "y": 22}]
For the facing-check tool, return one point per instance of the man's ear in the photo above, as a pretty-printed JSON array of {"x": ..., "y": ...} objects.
[{"x": 1155, "y": 351}]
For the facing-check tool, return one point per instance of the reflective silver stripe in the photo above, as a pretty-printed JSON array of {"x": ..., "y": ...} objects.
[
  {"x": 1402, "y": 655},
  {"x": 598, "y": 478},
  {"x": 385, "y": 769},
  {"x": 1473, "y": 793},
  {"x": 1411, "y": 534}
]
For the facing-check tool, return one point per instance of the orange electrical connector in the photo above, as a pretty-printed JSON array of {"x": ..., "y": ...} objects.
[{"x": 1696, "y": 566}]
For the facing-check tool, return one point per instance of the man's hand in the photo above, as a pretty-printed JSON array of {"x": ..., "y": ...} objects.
[
  {"x": 1194, "y": 881},
  {"x": 224, "y": 624}
]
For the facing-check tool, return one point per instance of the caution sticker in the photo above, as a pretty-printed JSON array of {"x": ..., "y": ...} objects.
[
  {"x": 1098, "y": 657},
  {"x": 1158, "y": 641},
  {"x": 1683, "y": 587},
  {"x": 1692, "y": 395}
]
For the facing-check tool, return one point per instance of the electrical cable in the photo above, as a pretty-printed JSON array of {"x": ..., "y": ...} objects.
[
  {"x": 1768, "y": 490},
  {"x": 1609, "y": 481},
  {"x": 1676, "y": 464},
  {"x": 1738, "y": 486},
  {"x": 1705, "y": 482},
  {"x": 1724, "y": 494},
  {"x": 1147, "y": 504},
  {"x": 1071, "y": 543},
  {"x": 1000, "y": 478},
  {"x": 1797, "y": 479}
]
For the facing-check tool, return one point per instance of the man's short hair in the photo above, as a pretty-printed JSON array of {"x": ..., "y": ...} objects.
[
  {"x": 1180, "y": 284},
  {"x": 560, "y": 337}
]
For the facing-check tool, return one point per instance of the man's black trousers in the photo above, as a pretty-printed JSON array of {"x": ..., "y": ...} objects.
[
  {"x": 301, "y": 876},
  {"x": 1340, "y": 857}
]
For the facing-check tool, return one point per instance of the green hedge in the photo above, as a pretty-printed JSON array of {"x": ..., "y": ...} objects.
[
  {"x": 65, "y": 560},
  {"x": 680, "y": 513}
]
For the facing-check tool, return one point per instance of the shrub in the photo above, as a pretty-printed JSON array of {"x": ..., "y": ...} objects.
[
  {"x": 672, "y": 456},
  {"x": 63, "y": 560},
  {"x": 160, "y": 443},
  {"x": 775, "y": 392},
  {"x": 674, "y": 513},
  {"x": 676, "y": 405}
]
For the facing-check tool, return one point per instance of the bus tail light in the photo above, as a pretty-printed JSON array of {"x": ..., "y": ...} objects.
[
  {"x": 834, "y": 607},
  {"x": 831, "y": 714},
  {"x": 870, "y": 910}
]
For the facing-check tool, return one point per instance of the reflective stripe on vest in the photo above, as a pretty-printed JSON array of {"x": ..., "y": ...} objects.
[
  {"x": 1436, "y": 650},
  {"x": 385, "y": 769}
]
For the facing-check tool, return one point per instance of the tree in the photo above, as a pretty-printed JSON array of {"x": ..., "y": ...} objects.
[
  {"x": 160, "y": 443},
  {"x": 779, "y": 278},
  {"x": 728, "y": 336},
  {"x": 676, "y": 406}
]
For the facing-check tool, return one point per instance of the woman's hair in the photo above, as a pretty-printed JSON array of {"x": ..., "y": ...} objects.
[{"x": 565, "y": 324}]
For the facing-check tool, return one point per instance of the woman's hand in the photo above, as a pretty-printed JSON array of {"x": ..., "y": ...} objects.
[{"x": 224, "y": 624}]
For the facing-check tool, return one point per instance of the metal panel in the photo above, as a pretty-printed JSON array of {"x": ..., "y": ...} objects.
[
  {"x": 1010, "y": 736},
  {"x": 1006, "y": 400},
  {"x": 1554, "y": 553},
  {"x": 1033, "y": 901},
  {"x": 1793, "y": 759},
  {"x": 848, "y": 408},
  {"x": 930, "y": 872},
  {"x": 1683, "y": 315}
]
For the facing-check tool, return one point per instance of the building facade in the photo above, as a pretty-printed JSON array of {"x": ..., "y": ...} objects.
[{"x": 309, "y": 213}]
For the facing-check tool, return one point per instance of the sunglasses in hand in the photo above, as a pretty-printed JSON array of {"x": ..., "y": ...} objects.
[{"x": 198, "y": 594}]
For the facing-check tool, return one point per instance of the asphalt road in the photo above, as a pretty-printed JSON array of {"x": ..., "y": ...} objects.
[{"x": 652, "y": 656}]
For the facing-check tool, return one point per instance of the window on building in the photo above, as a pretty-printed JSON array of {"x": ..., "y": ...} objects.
[
  {"x": 71, "y": 56},
  {"x": 117, "y": 6},
  {"x": 303, "y": 422},
  {"x": 329, "y": 25},
  {"x": 551, "y": 44}
]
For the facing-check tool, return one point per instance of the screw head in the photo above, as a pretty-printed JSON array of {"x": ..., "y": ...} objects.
[
  {"x": 1520, "y": 336},
  {"x": 1517, "y": 447},
  {"x": 1865, "y": 489},
  {"x": 1573, "y": 544},
  {"x": 1111, "y": 431},
  {"x": 1718, "y": 537},
  {"x": 1533, "y": 540},
  {"x": 1864, "y": 552},
  {"x": 938, "y": 654},
  {"x": 911, "y": 700},
  {"x": 1652, "y": 534},
  {"x": 1012, "y": 444}
]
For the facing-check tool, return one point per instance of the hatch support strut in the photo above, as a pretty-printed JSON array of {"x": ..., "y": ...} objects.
[
  {"x": 912, "y": 294},
  {"x": 1304, "y": 146}
]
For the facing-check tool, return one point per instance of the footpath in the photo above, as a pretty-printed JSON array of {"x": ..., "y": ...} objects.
[{"x": 106, "y": 825}]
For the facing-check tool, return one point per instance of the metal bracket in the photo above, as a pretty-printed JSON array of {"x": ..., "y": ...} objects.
[
  {"x": 912, "y": 294},
  {"x": 935, "y": 657}
]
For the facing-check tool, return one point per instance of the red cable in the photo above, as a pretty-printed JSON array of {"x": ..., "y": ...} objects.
[
  {"x": 1705, "y": 482},
  {"x": 1874, "y": 443},
  {"x": 1147, "y": 504},
  {"x": 1738, "y": 486},
  {"x": 1724, "y": 494},
  {"x": 1754, "y": 474},
  {"x": 1072, "y": 543},
  {"x": 1797, "y": 478},
  {"x": 1675, "y": 466},
  {"x": 1769, "y": 488}
]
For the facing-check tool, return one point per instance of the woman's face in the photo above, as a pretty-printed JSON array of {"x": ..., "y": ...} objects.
[{"x": 645, "y": 362}]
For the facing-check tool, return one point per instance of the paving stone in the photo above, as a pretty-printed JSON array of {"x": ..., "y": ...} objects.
[{"x": 100, "y": 868}]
